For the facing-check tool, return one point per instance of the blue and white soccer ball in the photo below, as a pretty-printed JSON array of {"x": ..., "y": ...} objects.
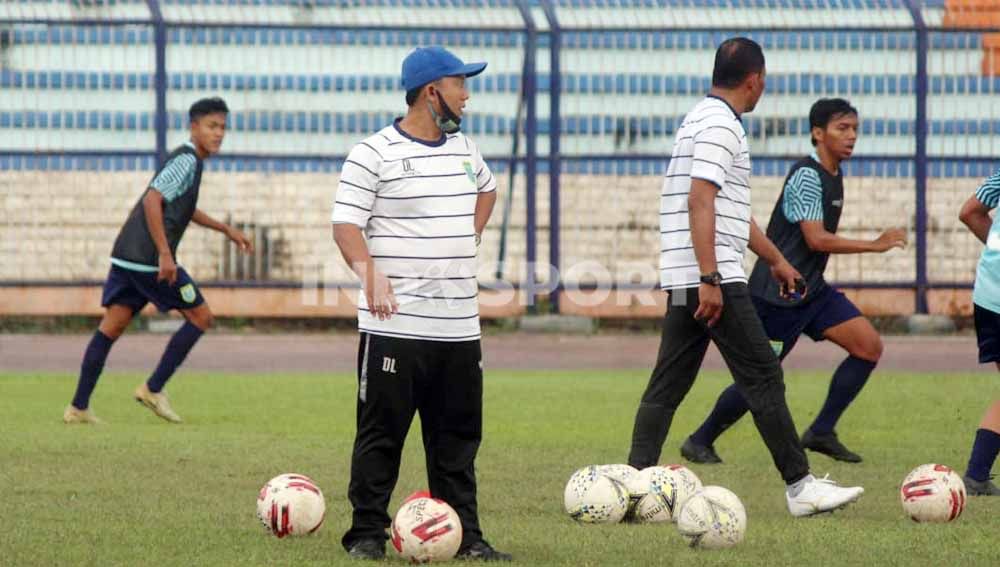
[
  {"x": 714, "y": 518},
  {"x": 595, "y": 498}
]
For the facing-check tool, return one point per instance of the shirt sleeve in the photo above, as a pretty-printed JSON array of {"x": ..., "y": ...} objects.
[
  {"x": 989, "y": 192},
  {"x": 356, "y": 191},
  {"x": 715, "y": 147},
  {"x": 175, "y": 178},
  {"x": 485, "y": 181},
  {"x": 803, "y": 196}
]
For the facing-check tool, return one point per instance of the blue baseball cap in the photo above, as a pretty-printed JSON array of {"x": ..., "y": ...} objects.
[{"x": 428, "y": 64}]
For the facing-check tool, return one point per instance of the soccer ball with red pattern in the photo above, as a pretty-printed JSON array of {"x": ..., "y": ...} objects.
[
  {"x": 291, "y": 505},
  {"x": 426, "y": 529},
  {"x": 933, "y": 493}
]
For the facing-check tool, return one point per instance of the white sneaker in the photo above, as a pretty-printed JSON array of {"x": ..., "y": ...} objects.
[{"x": 821, "y": 495}]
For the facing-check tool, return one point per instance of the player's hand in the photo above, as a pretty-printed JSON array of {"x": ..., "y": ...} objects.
[
  {"x": 381, "y": 299},
  {"x": 792, "y": 284},
  {"x": 892, "y": 238},
  {"x": 709, "y": 304},
  {"x": 241, "y": 240},
  {"x": 168, "y": 269}
]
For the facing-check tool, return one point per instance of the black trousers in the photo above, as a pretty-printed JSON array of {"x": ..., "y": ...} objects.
[
  {"x": 443, "y": 381},
  {"x": 740, "y": 337}
]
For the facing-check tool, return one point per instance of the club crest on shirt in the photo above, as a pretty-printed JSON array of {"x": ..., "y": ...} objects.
[
  {"x": 777, "y": 347},
  {"x": 469, "y": 172},
  {"x": 838, "y": 203},
  {"x": 408, "y": 169},
  {"x": 187, "y": 293}
]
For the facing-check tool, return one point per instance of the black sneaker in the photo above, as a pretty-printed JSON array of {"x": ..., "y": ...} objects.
[
  {"x": 830, "y": 446},
  {"x": 481, "y": 551},
  {"x": 975, "y": 487},
  {"x": 369, "y": 548},
  {"x": 699, "y": 453}
]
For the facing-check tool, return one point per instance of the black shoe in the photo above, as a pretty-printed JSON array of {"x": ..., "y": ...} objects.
[
  {"x": 481, "y": 551},
  {"x": 369, "y": 548},
  {"x": 975, "y": 487},
  {"x": 699, "y": 453},
  {"x": 830, "y": 446}
]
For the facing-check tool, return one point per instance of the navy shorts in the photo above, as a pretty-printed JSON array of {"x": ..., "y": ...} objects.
[
  {"x": 784, "y": 325},
  {"x": 135, "y": 289},
  {"x": 987, "y": 334}
]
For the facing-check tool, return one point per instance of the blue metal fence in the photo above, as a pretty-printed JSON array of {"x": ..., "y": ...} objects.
[{"x": 559, "y": 141}]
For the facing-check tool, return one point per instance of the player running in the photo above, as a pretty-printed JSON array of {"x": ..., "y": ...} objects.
[
  {"x": 986, "y": 306},
  {"x": 804, "y": 227},
  {"x": 144, "y": 267}
]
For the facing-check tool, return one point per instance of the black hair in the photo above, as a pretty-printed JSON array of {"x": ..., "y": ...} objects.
[
  {"x": 735, "y": 60},
  {"x": 207, "y": 106},
  {"x": 826, "y": 110},
  {"x": 411, "y": 96}
]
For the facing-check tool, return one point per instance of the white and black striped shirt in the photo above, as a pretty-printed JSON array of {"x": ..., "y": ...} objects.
[
  {"x": 711, "y": 144},
  {"x": 416, "y": 202}
]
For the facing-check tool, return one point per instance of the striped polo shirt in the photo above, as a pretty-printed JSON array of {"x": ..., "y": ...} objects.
[
  {"x": 711, "y": 144},
  {"x": 415, "y": 201}
]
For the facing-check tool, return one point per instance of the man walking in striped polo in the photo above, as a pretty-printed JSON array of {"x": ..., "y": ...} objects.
[{"x": 706, "y": 226}]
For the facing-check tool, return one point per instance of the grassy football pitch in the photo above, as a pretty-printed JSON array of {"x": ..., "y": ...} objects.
[{"x": 142, "y": 492}]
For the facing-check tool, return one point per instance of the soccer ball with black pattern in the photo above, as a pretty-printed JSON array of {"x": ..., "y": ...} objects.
[
  {"x": 592, "y": 497},
  {"x": 291, "y": 505},
  {"x": 426, "y": 529},
  {"x": 932, "y": 493},
  {"x": 714, "y": 518}
]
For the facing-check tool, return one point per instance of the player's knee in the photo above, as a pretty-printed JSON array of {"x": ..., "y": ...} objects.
[
  {"x": 870, "y": 349},
  {"x": 202, "y": 318}
]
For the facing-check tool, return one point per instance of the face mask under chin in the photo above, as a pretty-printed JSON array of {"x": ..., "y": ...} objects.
[{"x": 447, "y": 121}]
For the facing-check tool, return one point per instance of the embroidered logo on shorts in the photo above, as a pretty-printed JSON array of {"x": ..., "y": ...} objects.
[
  {"x": 469, "y": 171},
  {"x": 188, "y": 294},
  {"x": 777, "y": 347}
]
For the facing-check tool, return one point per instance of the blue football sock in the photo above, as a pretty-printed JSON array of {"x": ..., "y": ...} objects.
[
  {"x": 177, "y": 350},
  {"x": 984, "y": 454},
  {"x": 728, "y": 410},
  {"x": 90, "y": 370},
  {"x": 847, "y": 381}
]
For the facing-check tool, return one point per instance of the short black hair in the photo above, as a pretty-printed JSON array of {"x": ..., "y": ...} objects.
[
  {"x": 207, "y": 106},
  {"x": 411, "y": 96},
  {"x": 735, "y": 60},
  {"x": 826, "y": 110}
]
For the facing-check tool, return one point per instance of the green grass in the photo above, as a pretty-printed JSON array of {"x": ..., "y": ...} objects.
[{"x": 142, "y": 492}]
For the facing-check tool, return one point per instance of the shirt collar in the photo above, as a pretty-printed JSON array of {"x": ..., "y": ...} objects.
[{"x": 726, "y": 102}]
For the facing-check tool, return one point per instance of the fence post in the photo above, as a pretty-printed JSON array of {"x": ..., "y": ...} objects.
[
  {"x": 531, "y": 151},
  {"x": 160, "y": 80},
  {"x": 555, "y": 158},
  {"x": 920, "y": 159}
]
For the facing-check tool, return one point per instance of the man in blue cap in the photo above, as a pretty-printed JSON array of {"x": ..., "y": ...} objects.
[{"x": 411, "y": 205}]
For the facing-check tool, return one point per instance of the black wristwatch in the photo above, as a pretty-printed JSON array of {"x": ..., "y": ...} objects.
[{"x": 711, "y": 278}]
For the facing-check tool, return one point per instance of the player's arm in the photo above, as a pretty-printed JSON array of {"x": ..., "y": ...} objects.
[
  {"x": 152, "y": 206},
  {"x": 781, "y": 269},
  {"x": 819, "y": 239},
  {"x": 486, "y": 186},
  {"x": 377, "y": 287},
  {"x": 976, "y": 215},
  {"x": 201, "y": 218},
  {"x": 484, "y": 208}
]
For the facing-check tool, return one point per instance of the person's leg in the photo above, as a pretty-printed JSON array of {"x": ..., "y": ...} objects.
[
  {"x": 863, "y": 344},
  {"x": 683, "y": 343},
  {"x": 197, "y": 321},
  {"x": 985, "y": 449},
  {"x": 744, "y": 345},
  {"x": 450, "y": 402},
  {"x": 385, "y": 410},
  {"x": 114, "y": 322}
]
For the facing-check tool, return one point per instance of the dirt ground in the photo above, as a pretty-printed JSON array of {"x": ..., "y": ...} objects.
[{"x": 337, "y": 352}]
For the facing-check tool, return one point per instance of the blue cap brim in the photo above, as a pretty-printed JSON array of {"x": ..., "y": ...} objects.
[{"x": 470, "y": 70}]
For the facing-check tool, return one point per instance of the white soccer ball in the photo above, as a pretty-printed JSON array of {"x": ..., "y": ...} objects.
[
  {"x": 713, "y": 518},
  {"x": 666, "y": 490},
  {"x": 594, "y": 498},
  {"x": 621, "y": 473},
  {"x": 426, "y": 529},
  {"x": 933, "y": 493},
  {"x": 291, "y": 504}
]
